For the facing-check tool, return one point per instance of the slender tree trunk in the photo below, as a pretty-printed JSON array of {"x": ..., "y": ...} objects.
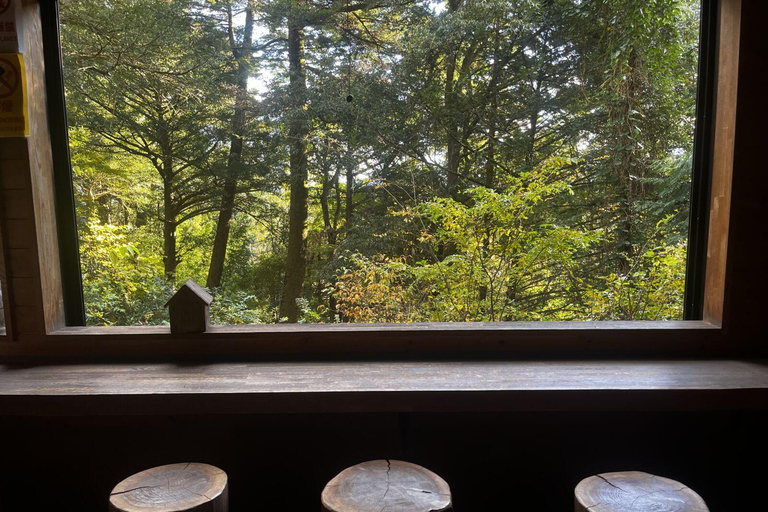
[
  {"x": 296, "y": 262},
  {"x": 333, "y": 311},
  {"x": 330, "y": 230},
  {"x": 337, "y": 192},
  {"x": 329, "y": 224},
  {"x": 349, "y": 203},
  {"x": 490, "y": 156},
  {"x": 533, "y": 120},
  {"x": 628, "y": 168},
  {"x": 243, "y": 56},
  {"x": 170, "y": 258},
  {"x": 453, "y": 147},
  {"x": 493, "y": 92}
]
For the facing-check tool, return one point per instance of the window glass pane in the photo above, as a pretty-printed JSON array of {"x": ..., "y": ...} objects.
[{"x": 394, "y": 161}]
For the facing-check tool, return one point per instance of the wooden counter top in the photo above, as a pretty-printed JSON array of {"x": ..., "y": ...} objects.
[{"x": 271, "y": 387}]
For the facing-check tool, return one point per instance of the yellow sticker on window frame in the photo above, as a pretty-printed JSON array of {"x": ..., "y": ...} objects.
[{"x": 14, "y": 117}]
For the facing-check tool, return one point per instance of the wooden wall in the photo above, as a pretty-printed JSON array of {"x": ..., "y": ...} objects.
[
  {"x": 746, "y": 297},
  {"x": 510, "y": 461},
  {"x": 27, "y": 201}
]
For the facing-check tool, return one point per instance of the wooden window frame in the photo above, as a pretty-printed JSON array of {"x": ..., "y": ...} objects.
[{"x": 36, "y": 312}]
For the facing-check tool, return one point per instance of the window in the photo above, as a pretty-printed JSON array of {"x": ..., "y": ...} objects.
[
  {"x": 391, "y": 162},
  {"x": 451, "y": 334}
]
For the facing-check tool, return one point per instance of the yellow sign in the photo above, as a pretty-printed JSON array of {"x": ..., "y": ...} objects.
[{"x": 14, "y": 121}]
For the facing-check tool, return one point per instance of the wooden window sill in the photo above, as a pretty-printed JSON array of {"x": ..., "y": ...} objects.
[
  {"x": 288, "y": 387},
  {"x": 531, "y": 340}
]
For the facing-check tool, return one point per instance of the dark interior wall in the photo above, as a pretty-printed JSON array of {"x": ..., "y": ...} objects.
[{"x": 493, "y": 461}]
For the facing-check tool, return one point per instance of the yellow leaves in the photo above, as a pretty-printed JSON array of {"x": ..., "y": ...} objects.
[
  {"x": 424, "y": 236},
  {"x": 376, "y": 291}
]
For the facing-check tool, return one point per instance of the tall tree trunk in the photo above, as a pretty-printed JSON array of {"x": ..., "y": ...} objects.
[
  {"x": 170, "y": 258},
  {"x": 534, "y": 123},
  {"x": 490, "y": 156},
  {"x": 329, "y": 224},
  {"x": 493, "y": 93},
  {"x": 533, "y": 120},
  {"x": 349, "y": 203},
  {"x": 453, "y": 146},
  {"x": 243, "y": 56},
  {"x": 628, "y": 167},
  {"x": 296, "y": 262},
  {"x": 165, "y": 166}
]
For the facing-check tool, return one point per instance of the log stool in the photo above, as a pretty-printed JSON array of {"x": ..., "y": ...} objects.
[
  {"x": 175, "y": 487},
  {"x": 633, "y": 491},
  {"x": 386, "y": 484}
]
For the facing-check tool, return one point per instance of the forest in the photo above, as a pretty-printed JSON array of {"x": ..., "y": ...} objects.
[{"x": 382, "y": 160}]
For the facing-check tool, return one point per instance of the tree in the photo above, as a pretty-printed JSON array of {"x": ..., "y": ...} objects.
[
  {"x": 390, "y": 160},
  {"x": 143, "y": 78}
]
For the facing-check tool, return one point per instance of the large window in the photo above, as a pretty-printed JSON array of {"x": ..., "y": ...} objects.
[{"x": 394, "y": 161}]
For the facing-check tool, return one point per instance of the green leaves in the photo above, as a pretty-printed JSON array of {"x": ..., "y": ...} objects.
[{"x": 500, "y": 160}]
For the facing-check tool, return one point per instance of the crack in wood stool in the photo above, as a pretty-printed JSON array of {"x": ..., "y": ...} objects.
[
  {"x": 634, "y": 491},
  {"x": 391, "y": 485},
  {"x": 187, "y": 486}
]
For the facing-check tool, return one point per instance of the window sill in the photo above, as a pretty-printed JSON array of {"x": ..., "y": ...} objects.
[
  {"x": 292, "y": 387},
  {"x": 532, "y": 340},
  {"x": 230, "y": 330}
]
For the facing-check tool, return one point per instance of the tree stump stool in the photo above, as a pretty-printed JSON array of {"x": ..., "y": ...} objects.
[
  {"x": 386, "y": 484},
  {"x": 634, "y": 491},
  {"x": 171, "y": 488}
]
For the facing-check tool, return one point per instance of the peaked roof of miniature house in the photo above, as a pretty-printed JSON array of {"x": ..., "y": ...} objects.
[{"x": 194, "y": 288}]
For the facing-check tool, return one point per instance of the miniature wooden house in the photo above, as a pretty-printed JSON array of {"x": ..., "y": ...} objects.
[{"x": 189, "y": 309}]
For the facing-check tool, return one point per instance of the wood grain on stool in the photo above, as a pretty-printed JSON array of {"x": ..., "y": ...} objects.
[
  {"x": 634, "y": 491},
  {"x": 393, "y": 485},
  {"x": 172, "y": 488}
]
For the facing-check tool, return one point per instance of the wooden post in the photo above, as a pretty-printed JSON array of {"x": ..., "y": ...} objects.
[
  {"x": 722, "y": 159},
  {"x": 175, "y": 487},
  {"x": 634, "y": 491},
  {"x": 386, "y": 484},
  {"x": 27, "y": 213}
]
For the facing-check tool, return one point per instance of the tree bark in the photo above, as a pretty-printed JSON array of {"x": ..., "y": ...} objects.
[
  {"x": 170, "y": 258},
  {"x": 329, "y": 224},
  {"x": 243, "y": 56},
  {"x": 628, "y": 164},
  {"x": 493, "y": 93},
  {"x": 453, "y": 147},
  {"x": 296, "y": 261},
  {"x": 350, "y": 190}
]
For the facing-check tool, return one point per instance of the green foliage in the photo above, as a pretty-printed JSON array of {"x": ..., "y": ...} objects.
[
  {"x": 488, "y": 262},
  {"x": 239, "y": 307},
  {"x": 499, "y": 160},
  {"x": 122, "y": 285},
  {"x": 652, "y": 290}
]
